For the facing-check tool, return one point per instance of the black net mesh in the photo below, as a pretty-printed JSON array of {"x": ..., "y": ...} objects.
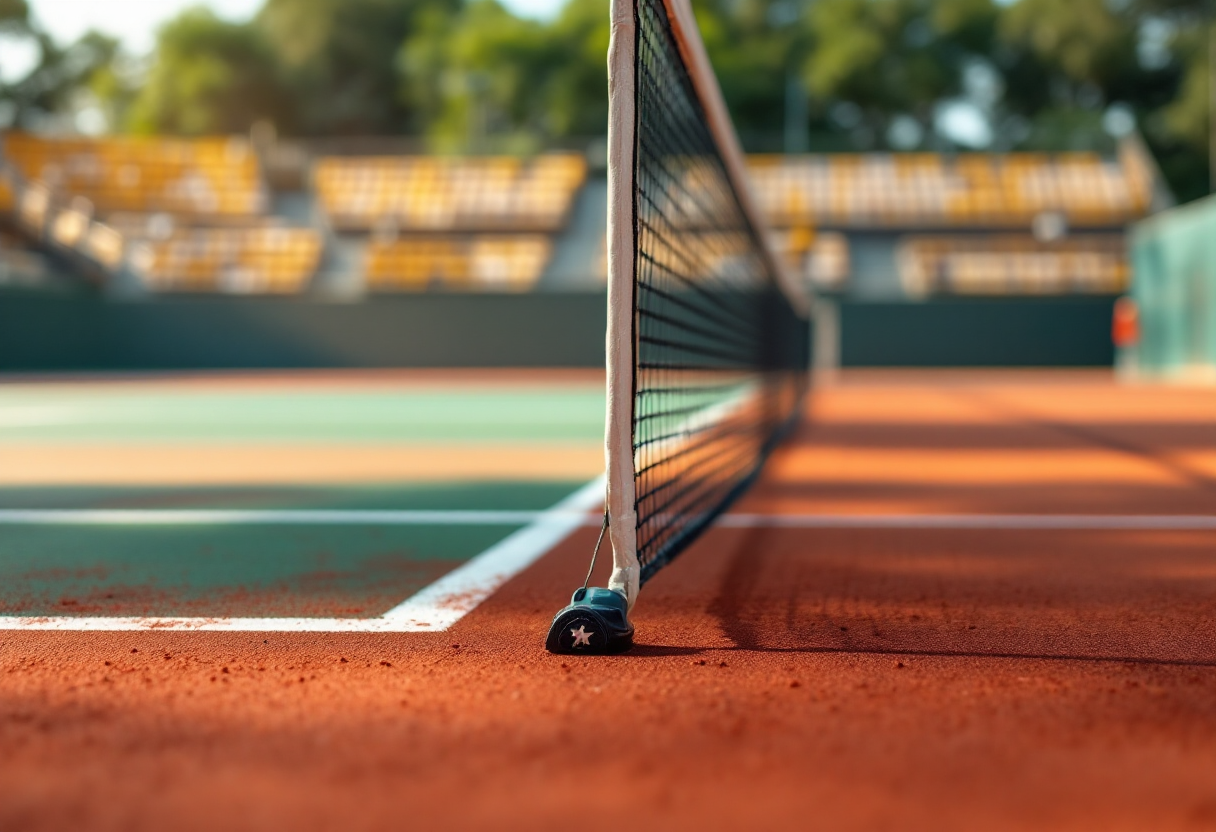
[{"x": 720, "y": 355}]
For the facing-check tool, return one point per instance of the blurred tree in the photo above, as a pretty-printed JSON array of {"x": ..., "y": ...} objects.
[
  {"x": 484, "y": 74},
  {"x": 757, "y": 48},
  {"x": 1079, "y": 61},
  {"x": 577, "y": 82},
  {"x": 17, "y": 94},
  {"x": 879, "y": 68},
  {"x": 50, "y": 91},
  {"x": 1179, "y": 129},
  {"x": 1082, "y": 43},
  {"x": 483, "y": 70},
  {"x": 1187, "y": 116},
  {"x": 112, "y": 86},
  {"x": 340, "y": 58},
  {"x": 210, "y": 76},
  {"x": 1084, "y": 54},
  {"x": 14, "y": 15}
]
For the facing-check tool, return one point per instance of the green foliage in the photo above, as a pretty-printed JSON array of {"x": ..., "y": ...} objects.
[
  {"x": 1187, "y": 116},
  {"x": 54, "y": 85},
  {"x": 114, "y": 87},
  {"x": 210, "y": 76},
  {"x": 482, "y": 66},
  {"x": 577, "y": 94},
  {"x": 340, "y": 59},
  {"x": 1081, "y": 42},
  {"x": 889, "y": 59},
  {"x": 754, "y": 46},
  {"x": 484, "y": 74},
  {"x": 14, "y": 15}
]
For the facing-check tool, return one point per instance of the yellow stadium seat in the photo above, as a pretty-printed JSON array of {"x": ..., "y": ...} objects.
[
  {"x": 239, "y": 260},
  {"x": 1012, "y": 263},
  {"x": 104, "y": 244},
  {"x": 969, "y": 189},
  {"x": 195, "y": 177},
  {"x": 421, "y": 193},
  {"x": 485, "y": 262},
  {"x": 34, "y": 209},
  {"x": 69, "y": 227}
]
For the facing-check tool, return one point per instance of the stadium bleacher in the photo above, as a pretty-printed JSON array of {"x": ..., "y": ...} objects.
[
  {"x": 104, "y": 245},
  {"x": 195, "y": 215},
  {"x": 926, "y": 190},
  {"x": 510, "y": 263},
  {"x": 1013, "y": 264},
  {"x": 450, "y": 222},
  {"x": 19, "y": 265},
  {"x": 414, "y": 193},
  {"x": 923, "y": 223},
  {"x": 70, "y": 225},
  {"x": 827, "y": 261},
  {"x": 211, "y": 177},
  {"x": 178, "y": 214},
  {"x": 33, "y": 208},
  {"x": 246, "y": 260}
]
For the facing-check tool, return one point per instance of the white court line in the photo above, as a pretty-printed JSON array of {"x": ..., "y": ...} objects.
[
  {"x": 433, "y": 609},
  {"x": 274, "y": 517},
  {"x": 1045, "y": 522},
  {"x": 576, "y": 513},
  {"x": 443, "y": 603}
]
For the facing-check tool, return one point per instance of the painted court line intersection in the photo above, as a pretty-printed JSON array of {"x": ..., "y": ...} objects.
[
  {"x": 433, "y": 609},
  {"x": 440, "y": 605}
]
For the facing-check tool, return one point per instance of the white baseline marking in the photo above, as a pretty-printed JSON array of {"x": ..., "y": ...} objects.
[
  {"x": 274, "y": 517},
  {"x": 575, "y": 513},
  {"x": 433, "y": 609},
  {"x": 443, "y": 603},
  {"x": 1045, "y": 522}
]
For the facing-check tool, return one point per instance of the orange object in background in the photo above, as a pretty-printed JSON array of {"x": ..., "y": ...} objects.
[{"x": 1125, "y": 327}]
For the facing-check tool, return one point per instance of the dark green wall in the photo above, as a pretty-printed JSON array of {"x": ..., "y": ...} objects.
[
  {"x": 71, "y": 333},
  {"x": 41, "y": 332},
  {"x": 979, "y": 332}
]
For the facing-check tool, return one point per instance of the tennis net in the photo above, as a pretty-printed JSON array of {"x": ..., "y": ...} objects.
[{"x": 707, "y": 336}]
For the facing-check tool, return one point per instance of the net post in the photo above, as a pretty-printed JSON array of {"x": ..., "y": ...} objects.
[
  {"x": 618, "y": 447},
  {"x": 597, "y": 620}
]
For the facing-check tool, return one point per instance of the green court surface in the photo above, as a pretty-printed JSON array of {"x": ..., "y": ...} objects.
[
  {"x": 231, "y": 572},
  {"x": 68, "y": 413},
  {"x": 440, "y": 496},
  {"x": 249, "y": 570},
  {"x": 216, "y": 570}
]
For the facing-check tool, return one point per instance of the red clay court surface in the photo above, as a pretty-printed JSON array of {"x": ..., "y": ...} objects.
[{"x": 828, "y": 678}]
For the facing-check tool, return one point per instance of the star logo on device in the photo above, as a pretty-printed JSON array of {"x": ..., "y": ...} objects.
[{"x": 582, "y": 638}]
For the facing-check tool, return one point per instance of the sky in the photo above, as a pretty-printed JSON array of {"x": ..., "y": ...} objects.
[{"x": 135, "y": 21}]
